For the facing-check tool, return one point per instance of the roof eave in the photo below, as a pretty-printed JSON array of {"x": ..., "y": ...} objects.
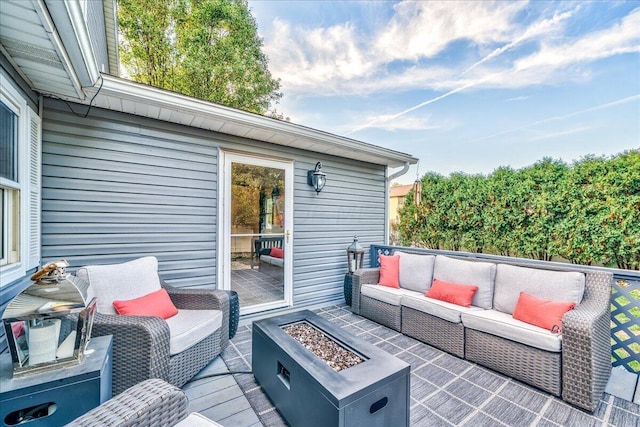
[{"x": 242, "y": 123}]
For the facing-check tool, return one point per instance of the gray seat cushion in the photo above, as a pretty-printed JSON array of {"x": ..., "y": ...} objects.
[
  {"x": 278, "y": 262},
  {"x": 503, "y": 325},
  {"x": 386, "y": 293},
  {"x": 481, "y": 274},
  {"x": 442, "y": 309},
  {"x": 544, "y": 284},
  {"x": 123, "y": 282},
  {"x": 416, "y": 271},
  {"x": 189, "y": 327}
]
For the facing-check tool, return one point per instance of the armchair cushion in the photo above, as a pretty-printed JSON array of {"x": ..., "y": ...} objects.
[
  {"x": 156, "y": 303},
  {"x": 189, "y": 327},
  {"x": 124, "y": 281}
]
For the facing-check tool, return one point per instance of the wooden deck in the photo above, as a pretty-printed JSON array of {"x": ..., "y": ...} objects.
[
  {"x": 445, "y": 390},
  {"x": 219, "y": 398}
]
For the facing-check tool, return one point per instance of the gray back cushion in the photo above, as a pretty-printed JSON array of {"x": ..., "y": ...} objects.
[
  {"x": 544, "y": 284},
  {"x": 416, "y": 271},
  {"x": 461, "y": 272},
  {"x": 122, "y": 282}
]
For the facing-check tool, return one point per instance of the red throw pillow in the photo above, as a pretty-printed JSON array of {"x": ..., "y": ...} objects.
[
  {"x": 277, "y": 253},
  {"x": 540, "y": 312},
  {"x": 452, "y": 292},
  {"x": 390, "y": 271},
  {"x": 157, "y": 304}
]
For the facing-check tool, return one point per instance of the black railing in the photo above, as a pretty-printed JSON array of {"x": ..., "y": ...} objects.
[{"x": 625, "y": 300}]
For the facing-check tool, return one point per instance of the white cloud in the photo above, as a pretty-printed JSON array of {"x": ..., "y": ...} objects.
[
  {"x": 342, "y": 60},
  {"x": 424, "y": 29},
  {"x": 619, "y": 39}
]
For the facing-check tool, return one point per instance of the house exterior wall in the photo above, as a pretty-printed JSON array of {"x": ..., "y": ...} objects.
[{"x": 118, "y": 186}]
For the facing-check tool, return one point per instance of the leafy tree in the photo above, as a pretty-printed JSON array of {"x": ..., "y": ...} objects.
[
  {"x": 146, "y": 50},
  {"x": 503, "y": 211},
  {"x": 208, "y": 49},
  {"x": 587, "y": 213},
  {"x": 541, "y": 208}
]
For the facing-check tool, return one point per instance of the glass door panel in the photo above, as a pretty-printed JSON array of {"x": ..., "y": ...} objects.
[{"x": 257, "y": 237}]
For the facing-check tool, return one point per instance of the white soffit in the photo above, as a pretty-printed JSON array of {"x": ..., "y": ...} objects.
[
  {"x": 142, "y": 100},
  {"x": 29, "y": 40}
]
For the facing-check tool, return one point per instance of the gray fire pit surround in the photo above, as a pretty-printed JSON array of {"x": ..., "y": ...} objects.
[{"x": 308, "y": 392}]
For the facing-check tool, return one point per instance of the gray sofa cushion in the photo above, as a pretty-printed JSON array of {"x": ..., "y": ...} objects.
[
  {"x": 545, "y": 284},
  {"x": 503, "y": 325},
  {"x": 189, "y": 327},
  {"x": 434, "y": 307},
  {"x": 481, "y": 274},
  {"x": 123, "y": 282},
  {"x": 386, "y": 293},
  {"x": 279, "y": 262},
  {"x": 416, "y": 271}
]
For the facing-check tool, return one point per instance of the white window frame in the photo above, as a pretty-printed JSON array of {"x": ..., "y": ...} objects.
[{"x": 13, "y": 98}]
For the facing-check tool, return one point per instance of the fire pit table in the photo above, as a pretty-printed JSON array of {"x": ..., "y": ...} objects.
[{"x": 316, "y": 374}]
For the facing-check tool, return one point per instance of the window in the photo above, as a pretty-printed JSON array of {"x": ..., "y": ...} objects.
[
  {"x": 9, "y": 190},
  {"x": 19, "y": 184}
]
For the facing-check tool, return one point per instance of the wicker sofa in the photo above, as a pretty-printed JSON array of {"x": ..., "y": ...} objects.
[{"x": 574, "y": 364}]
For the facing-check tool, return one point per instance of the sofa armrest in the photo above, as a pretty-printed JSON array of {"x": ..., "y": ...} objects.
[
  {"x": 149, "y": 403},
  {"x": 202, "y": 299},
  {"x": 362, "y": 276},
  {"x": 586, "y": 344},
  {"x": 140, "y": 347}
]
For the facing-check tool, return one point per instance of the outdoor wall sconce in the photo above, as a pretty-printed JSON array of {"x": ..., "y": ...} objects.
[{"x": 316, "y": 178}]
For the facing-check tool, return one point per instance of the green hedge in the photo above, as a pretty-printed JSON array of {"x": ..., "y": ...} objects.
[{"x": 587, "y": 212}]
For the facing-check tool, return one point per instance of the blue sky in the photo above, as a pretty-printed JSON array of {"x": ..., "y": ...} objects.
[{"x": 463, "y": 86}]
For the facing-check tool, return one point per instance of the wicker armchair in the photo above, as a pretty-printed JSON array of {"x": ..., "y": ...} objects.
[
  {"x": 141, "y": 344},
  {"x": 150, "y": 403}
]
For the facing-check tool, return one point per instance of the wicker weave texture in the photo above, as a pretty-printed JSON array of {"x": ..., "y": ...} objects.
[
  {"x": 586, "y": 344},
  {"x": 362, "y": 276},
  {"x": 531, "y": 365},
  {"x": 183, "y": 366},
  {"x": 386, "y": 314},
  {"x": 151, "y": 403},
  {"x": 433, "y": 330}
]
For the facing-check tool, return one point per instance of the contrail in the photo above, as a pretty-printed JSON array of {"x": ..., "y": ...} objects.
[
  {"x": 533, "y": 31},
  {"x": 566, "y": 116},
  {"x": 422, "y": 104}
]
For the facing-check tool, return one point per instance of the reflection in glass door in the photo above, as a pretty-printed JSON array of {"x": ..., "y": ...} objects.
[{"x": 257, "y": 227}]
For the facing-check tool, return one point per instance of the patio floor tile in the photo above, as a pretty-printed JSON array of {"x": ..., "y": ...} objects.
[
  {"x": 448, "y": 407},
  {"x": 509, "y": 413},
  {"x": 468, "y": 392}
]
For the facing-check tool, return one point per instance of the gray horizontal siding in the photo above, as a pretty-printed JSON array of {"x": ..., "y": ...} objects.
[
  {"x": 118, "y": 186},
  {"x": 114, "y": 191}
]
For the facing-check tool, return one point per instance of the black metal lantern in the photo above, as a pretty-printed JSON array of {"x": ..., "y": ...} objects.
[
  {"x": 316, "y": 178},
  {"x": 355, "y": 256}
]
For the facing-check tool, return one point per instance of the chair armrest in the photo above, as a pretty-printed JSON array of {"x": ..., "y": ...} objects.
[
  {"x": 149, "y": 403},
  {"x": 362, "y": 276},
  {"x": 140, "y": 347},
  {"x": 202, "y": 299},
  {"x": 586, "y": 344}
]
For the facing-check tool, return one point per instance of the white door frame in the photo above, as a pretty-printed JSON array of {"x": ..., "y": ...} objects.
[{"x": 226, "y": 158}]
